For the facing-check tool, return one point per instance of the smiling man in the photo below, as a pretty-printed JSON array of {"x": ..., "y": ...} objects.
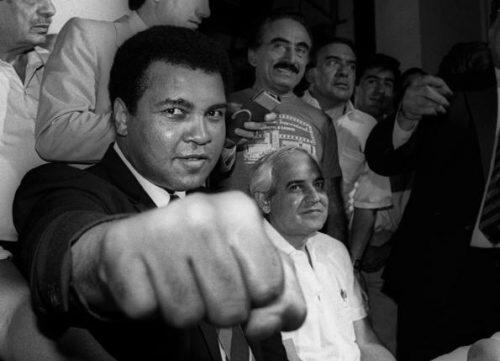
[
  {"x": 279, "y": 52},
  {"x": 376, "y": 85},
  {"x": 290, "y": 190},
  {"x": 153, "y": 286}
]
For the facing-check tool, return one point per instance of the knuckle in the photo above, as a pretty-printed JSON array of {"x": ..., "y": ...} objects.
[
  {"x": 240, "y": 205},
  {"x": 199, "y": 211},
  {"x": 136, "y": 309}
]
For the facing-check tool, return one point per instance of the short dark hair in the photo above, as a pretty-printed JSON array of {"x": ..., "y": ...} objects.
[
  {"x": 379, "y": 61},
  {"x": 322, "y": 40},
  {"x": 169, "y": 44},
  {"x": 259, "y": 27},
  {"x": 135, "y": 4},
  {"x": 494, "y": 9}
]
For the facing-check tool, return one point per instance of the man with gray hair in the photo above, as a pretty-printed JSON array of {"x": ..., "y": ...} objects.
[{"x": 289, "y": 188}]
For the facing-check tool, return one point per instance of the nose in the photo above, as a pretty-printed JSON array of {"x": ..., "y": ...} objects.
[
  {"x": 313, "y": 195},
  {"x": 47, "y": 8},
  {"x": 198, "y": 132},
  {"x": 343, "y": 69},
  {"x": 288, "y": 54},
  {"x": 378, "y": 88},
  {"x": 203, "y": 10}
]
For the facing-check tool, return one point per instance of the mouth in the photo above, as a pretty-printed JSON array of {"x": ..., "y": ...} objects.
[
  {"x": 193, "y": 162},
  {"x": 41, "y": 27},
  {"x": 314, "y": 211},
  {"x": 341, "y": 85},
  {"x": 286, "y": 68},
  {"x": 377, "y": 100},
  {"x": 194, "y": 24}
]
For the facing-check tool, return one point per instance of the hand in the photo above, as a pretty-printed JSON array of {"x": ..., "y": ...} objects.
[
  {"x": 242, "y": 133},
  {"x": 426, "y": 95},
  {"x": 202, "y": 257},
  {"x": 374, "y": 258}
]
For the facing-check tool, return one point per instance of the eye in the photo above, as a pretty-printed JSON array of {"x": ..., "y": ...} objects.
[
  {"x": 294, "y": 188},
  {"x": 319, "y": 184},
  {"x": 301, "y": 51},
  {"x": 173, "y": 111},
  {"x": 216, "y": 114},
  {"x": 332, "y": 63}
]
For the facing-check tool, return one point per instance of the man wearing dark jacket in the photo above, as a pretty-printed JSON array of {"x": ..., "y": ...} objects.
[
  {"x": 444, "y": 270},
  {"x": 177, "y": 280}
]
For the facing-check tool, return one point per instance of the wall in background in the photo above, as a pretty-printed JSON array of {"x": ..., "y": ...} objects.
[{"x": 420, "y": 32}]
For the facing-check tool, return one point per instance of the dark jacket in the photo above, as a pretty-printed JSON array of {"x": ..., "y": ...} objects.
[
  {"x": 451, "y": 156},
  {"x": 54, "y": 205}
]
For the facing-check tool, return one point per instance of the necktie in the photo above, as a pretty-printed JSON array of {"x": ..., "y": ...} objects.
[
  {"x": 234, "y": 343},
  {"x": 489, "y": 223},
  {"x": 172, "y": 195}
]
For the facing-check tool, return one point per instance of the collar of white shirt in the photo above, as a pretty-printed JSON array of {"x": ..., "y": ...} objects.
[{"x": 158, "y": 195}]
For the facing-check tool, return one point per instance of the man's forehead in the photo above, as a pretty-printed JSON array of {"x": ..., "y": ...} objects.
[
  {"x": 287, "y": 29},
  {"x": 378, "y": 72},
  {"x": 164, "y": 78},
  {"x": 296, "y": 166},
  {"x": 339, "y": 50}
]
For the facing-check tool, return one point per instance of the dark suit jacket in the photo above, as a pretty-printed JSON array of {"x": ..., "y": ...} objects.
[
  {"x": 451, "y": 156},
  {"x": 54, "y": 205}
]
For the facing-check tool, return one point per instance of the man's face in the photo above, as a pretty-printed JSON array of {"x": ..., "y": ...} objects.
[
  {"x": 375, "y": 92},
  {"x": 281, "y": 58},
  {"x": 176, "y": 135},
  {"x": 184, "y": 13},
  {"x": 299, "y": 204},
  {"x": 24, "y": 23},
  {"x": 335, "y": 72}
]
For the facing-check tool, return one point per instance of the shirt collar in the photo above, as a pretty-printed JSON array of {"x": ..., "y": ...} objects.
[
  {"x": 36, "y": 58},
  {"x": 136, "y": 23},
  {"x": 309, "y": 99},
  {"x": 158, "y": 195},
  {"x": 279, "y": 241}
]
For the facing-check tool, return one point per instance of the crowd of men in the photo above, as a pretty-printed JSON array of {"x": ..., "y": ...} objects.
[{"x": 142, "y": 218}]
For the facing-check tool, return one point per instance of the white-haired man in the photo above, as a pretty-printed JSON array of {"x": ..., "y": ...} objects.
[{"x": 289, "y": 189}]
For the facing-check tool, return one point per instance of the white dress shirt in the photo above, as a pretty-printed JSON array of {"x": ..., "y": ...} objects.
[
  {"x": 18, "y": 106},
  {"x": 333, "y": 300}
]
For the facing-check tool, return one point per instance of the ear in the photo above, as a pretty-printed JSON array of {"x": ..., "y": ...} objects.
[
  {"x": 263, "y": 202},
  {"x": 121, "y": 116},
  {"x": 252, "y": 57},
  {"x": 310, "y": 74}
]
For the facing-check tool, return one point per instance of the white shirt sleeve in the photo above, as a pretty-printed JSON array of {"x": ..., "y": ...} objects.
[
  {"x": 399, "y": 135},
  {"x": 4, "y": 254}
]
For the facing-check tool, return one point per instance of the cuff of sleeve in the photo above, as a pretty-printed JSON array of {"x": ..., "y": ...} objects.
[
  {"x": 51, "y": 271},
  {"x": 4, "y": 254},
  {"x": 399, "y": 135}
]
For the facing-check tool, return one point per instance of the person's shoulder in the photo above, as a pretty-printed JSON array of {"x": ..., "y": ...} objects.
[
  {"x": 328, "y": 244},
  {"x": 306, "y": 107},
  {"x": 362, "y": 118},
  {"x": 57, "y": 175},
  {"x": 76, "y": 28},
  {"x": 87, "y": 25}
]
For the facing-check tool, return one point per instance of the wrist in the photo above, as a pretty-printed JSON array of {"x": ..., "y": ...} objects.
[{"x": 407, "y": 121}]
